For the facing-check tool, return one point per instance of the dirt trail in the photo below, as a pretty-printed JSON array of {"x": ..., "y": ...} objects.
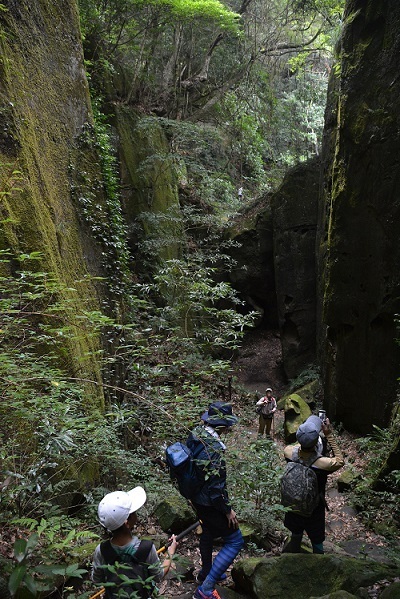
[{"x": 258, "y": 366}]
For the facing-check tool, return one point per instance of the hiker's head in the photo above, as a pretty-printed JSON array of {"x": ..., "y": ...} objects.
[
  {"x": 116, "y": 508},
  {"x": 219, "y": 415},
  {"x": 308, "y": 432},
  {"x": 268, "y": 391}
]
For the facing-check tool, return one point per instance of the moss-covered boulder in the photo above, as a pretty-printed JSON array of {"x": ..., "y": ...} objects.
[
  {"x": 174, "y": 514},
  {"x": 301, "y": 575},
  {"x": 391, "y": 592},
  {"x": 296, "y": 412},
  {"x": 310, "y": 393},
  {"x": 337, "y": 595},
  {"x": 347, "y": 480}
]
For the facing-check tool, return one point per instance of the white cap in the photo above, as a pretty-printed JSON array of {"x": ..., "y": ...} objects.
[{"x": 115, "y": 507}]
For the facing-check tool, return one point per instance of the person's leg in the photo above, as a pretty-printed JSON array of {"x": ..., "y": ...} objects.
[
  {"x": 295, "y": 524},
  {"x": 315, "y": 528},
  {"x": 224, "y": 558},
  {"x": 268, "y": 423},
  {"x": 206, "y": 547},
  {"x": 261, "y": 425}
]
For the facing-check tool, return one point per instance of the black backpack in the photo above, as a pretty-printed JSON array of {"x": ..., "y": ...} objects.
[
  {"x": 182, "y": 467},
  {"x": 131, "y": 577}
]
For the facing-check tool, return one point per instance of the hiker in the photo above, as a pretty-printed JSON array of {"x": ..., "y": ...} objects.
[
  {"x": 117, "y": 513},
  {"x": 266, "y": 407},
  {"x": 240, "y": 193},
  {"x": 211, "y": 503},
  {"x": 308, "y": 435}
]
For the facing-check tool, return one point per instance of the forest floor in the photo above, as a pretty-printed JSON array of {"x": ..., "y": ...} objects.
[{"x": 259, "y": 365}]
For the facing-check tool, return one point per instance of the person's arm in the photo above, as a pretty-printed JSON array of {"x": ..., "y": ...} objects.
[
  {"x": 167, "y": 563},
  {"x": 97, "y": 573},
  {"x": 274, "y": 406},
  {"x": 337, "y": 461},
  {"x": 260, "y": 401}
]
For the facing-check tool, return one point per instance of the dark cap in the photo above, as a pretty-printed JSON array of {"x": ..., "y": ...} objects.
[
  {"x": 308, "y": 432},
  {"x": 219, "y": 414}
]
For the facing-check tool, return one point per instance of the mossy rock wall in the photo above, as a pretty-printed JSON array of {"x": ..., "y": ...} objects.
[
  {"x": 149, "y": 184},
  {"x": 358, "y": 249},
  {"x": 44, "y": 109}
]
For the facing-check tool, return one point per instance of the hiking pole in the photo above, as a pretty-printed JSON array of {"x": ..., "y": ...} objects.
[{"x": 180, "y": 536}]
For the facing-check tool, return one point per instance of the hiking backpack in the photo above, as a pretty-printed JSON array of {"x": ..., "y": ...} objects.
[
  {"x": 299, "y": 486},
  {"x": 132, "y": 576},
  {"x": 182, "y": 467}
]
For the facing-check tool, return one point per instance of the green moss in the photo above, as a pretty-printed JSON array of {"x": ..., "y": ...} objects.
[
  {"x": 150, "y": 179},
  {"x": 44, "y": 83}
]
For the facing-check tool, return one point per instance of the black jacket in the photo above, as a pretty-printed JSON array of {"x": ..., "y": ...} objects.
[{"x": 209, "y": 452}]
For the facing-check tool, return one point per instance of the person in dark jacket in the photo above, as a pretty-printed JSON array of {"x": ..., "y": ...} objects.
[
  {"x": 211, "y": 503},
  {"x": 309, "y": 450}
]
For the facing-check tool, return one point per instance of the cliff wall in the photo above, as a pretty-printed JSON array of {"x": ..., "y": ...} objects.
[
  {"x": 358, "y": 249},
  {"x": 45, "y": 110}
]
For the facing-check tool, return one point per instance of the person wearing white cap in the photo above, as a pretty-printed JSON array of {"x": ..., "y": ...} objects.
[
  {"x": 117, "y": 514},
  {"x": 307, "y": 451}
]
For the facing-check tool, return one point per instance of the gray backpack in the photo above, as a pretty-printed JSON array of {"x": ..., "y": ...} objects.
[{"x": 299, "y": 486}]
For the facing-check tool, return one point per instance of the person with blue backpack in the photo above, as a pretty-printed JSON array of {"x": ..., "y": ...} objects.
[
  {"x": 304, "y": 481},
  {"x": 211, "y": 501}
]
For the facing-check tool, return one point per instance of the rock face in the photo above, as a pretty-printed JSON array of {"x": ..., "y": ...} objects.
[
  {"x": 306, "y": 576},
  {"x": 295, "y": 210},
  {"x": 254, "y": 275},
  {"x": 45, "y": 108},
  {"x": 359, "y": 253}
]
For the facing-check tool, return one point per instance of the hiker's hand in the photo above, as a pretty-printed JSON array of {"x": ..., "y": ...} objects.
[
  {"x": 326, "y": 426},
  {"x": 232, "y": 520},
  {"x": 173, "y": 546}
]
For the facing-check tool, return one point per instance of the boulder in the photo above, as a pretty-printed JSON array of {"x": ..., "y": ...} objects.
[
  {"x": 296, "y": 412},
  {"x": 291, "y": 576},
  {"x": 347, "y": 480},
  {"x": 391, "y": 592},
  {"x": 337, "y": 595},
  {"x": 310, "y": 393},
  {"x": 174, "y": 514}
]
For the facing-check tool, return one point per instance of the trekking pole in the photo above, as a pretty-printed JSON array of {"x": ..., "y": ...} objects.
[
  {"x": 180, "y": 536},
  {"x": 161, "y": 550}
]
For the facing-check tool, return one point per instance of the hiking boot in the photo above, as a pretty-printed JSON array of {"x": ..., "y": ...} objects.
[
  {"x": 200, "y": 594},
  {"x": 200, "y": 578}
]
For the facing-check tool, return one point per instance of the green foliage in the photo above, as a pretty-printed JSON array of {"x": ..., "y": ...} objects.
[
  {"x": 254, "y": 476},
  {"x": 34, "y": 571},
  {"x": 377, "y": 495}
]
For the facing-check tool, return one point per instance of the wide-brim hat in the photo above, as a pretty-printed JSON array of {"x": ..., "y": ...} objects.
[
  {"x": 114, "y": 508},
  {"x": 307, "y": 434},
  {"x": 219, "y": 413}
]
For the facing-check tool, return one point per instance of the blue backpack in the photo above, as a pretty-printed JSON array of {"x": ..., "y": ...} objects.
[{"x": 182, "y": 467}]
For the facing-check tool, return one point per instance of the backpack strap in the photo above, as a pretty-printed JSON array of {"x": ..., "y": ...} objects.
[
  {"x": 111, "y": 556},
  {"x": 296, "y": 458}
]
